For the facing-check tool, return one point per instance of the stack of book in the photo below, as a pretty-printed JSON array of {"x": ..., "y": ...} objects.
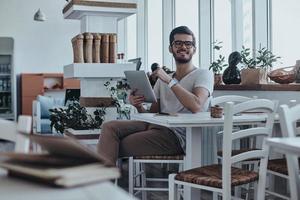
[
  {"x": 66, "y": 163},
  {"x": 95, "y": 48}
]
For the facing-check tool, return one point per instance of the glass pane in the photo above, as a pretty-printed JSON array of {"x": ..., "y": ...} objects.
[
  {"x": 186, "y": 14},
  {"x": 286, "y": 31},
  {"x": 155, "y": 41},
  {"x": 247, "y": 24},
  {"x": 222, "y": 27},
  {"x": 131, "y": 37}
]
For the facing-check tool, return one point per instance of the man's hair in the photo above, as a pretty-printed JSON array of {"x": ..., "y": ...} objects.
[{"x": 181, "y": 30}]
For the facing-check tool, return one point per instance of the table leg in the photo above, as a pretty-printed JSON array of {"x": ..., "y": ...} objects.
[{"x": 193, "y": 157}]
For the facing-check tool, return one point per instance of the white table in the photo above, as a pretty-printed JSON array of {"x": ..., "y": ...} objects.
[
  {"x": 16, "y": 189},
  {"x": 194, "y": 124},
  {"x": 291, "y": 148}
]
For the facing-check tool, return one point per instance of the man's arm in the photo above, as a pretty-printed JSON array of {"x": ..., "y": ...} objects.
[
  {"x": 193, "y": 101},
  {"x": 137, "y": 101}
]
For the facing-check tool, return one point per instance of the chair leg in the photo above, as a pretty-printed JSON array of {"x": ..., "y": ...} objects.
[
  {"x": 172, "y": 187},
  {"x": 137, "y": 174},
  {"x": 130, "y": 175},
  {"x": 215, "y": 196},
  {"x": 143, "y": 181},
  {"x": 261, "y": 187}
]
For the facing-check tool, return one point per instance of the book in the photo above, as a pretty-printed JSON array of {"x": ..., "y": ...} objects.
[{"x": 67, "y": 163}]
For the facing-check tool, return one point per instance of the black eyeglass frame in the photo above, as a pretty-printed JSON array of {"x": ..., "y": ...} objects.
[{"x": 180, "y": 43}]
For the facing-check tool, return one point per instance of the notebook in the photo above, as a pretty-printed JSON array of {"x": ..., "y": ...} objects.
[{"x": 67, "y": 163}]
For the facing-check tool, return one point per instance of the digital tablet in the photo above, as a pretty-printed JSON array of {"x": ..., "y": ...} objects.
[{"x": 138, "y": 80}]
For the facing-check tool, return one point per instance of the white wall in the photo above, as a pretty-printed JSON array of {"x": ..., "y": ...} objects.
[{"x": 38, "y": 46}]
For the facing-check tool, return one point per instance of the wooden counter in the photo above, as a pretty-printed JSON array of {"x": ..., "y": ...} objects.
[
  {"x": 281, "y": 92},
  {"x": 261, "y": 87}
]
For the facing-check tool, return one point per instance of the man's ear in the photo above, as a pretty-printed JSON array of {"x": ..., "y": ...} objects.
[
  {"x": 170, "y": 48},
  {"x": 194, "y": 50}
]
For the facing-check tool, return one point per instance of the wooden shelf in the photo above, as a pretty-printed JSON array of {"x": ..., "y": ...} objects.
[
  {"x": 97, "y": 70},
  {"x": 261, "y": 87},
  {"x": 37, "y": 82},
  {"x": 76, "y": 9}
]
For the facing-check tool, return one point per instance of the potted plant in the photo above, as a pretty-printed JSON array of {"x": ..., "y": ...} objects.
[
  {"x": 76, "y": 117},
  {"x": 119, "y": 95},
  {"x": 256, "y": 69},
  {"x": 218, "y": 65}
]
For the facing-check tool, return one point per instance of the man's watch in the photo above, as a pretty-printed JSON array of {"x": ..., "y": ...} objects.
[{"x": 173, "y": 82}]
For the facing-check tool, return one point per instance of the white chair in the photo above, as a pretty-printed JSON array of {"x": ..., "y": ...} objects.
[
  {"x": 138, "y": 180},
  {"x": 220, "y": 101},
  {"x": 289, "y": 127},
  {"x": 221, "y": 178},
  {"x": 9, "y": 131}
]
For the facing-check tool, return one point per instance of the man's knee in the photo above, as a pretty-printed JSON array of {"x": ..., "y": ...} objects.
[{"x": 109, "y": 129}]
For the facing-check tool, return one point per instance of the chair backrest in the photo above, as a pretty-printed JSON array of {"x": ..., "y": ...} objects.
[
  {"x": 289, "y": 116},
  {"x": 221, "y": 100},
  {"x": 267, "y": 108},
  {"x": 289, "y": 119},
  {"x": 9, "y": 130}
]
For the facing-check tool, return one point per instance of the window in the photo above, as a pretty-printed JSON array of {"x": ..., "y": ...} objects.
[
  {"x": 286, "y": 31},
  {"x": 247, "y": 24},
  {"x": 155, "y": 41},
  {"x": 186, "y": 14},
  {"x": 222, "y": 27},
  {"x": 131, "y": 37}
]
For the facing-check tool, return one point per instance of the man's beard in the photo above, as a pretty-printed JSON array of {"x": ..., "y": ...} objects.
[{"x": 181, "y": 60}]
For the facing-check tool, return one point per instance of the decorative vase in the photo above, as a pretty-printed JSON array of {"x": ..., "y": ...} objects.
[
  {"x": 218, "y": 79},
  {"x": 253, "y": 76},
  {"x": 232, "y": 75}
]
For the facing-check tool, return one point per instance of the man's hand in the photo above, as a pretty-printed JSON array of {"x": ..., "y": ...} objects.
[
  {"x": 136, "y": 100},
  {"x": 162, "y": 75}
]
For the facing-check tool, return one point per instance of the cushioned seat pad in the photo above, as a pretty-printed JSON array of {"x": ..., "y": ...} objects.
[
  {"x": 212, "y": 176},
  {"x": 279, "y": 165},
  {"x": 161, "y": 157}
]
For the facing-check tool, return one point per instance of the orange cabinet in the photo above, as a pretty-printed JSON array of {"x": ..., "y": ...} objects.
[{"x": 33, "y": 85}]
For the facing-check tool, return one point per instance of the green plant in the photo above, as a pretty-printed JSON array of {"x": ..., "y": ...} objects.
[
  {"x": 247, "y": 59},
  {"x": 119, "y": 94},
  {"x": 264, "y": 58},
  {"x": 217, "y": 65},
  {"x": 76, "y": 117}
]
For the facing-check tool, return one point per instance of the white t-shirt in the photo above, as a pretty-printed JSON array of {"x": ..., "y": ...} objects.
[{"x": 169, "y": 102}]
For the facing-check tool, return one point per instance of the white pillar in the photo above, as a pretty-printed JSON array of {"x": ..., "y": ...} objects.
[
  {"x": 168, "y": 25},
  {"x": 205, "y": 33}
]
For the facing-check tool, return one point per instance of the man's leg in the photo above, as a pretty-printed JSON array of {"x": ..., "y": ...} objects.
[
  {"x": 113, "y": 132},
  {"x": 157, "y": 140}
]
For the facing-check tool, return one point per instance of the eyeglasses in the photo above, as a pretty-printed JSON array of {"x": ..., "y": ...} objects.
[{"x": 187, "y": 44}]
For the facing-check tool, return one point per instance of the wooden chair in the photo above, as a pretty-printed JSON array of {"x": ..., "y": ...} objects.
[
  {"x": 221, "y": 178},
  {"x": 9, "y": 130},
  {"x": 278, "y": 167}
]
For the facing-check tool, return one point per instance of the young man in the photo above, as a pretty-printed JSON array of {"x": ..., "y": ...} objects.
[{"x": 185, "y": 91}]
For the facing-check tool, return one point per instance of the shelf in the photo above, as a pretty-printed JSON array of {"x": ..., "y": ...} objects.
[
  {"x": 262, "y": 87},
  {"x": 5, "y": 74},
  {"x": 97, "y": 70},
  {"x": 5, "y": 108},
  {"x": 7, "y": 116},
  {"x": 8, "y": 91},
  {"x": 78, "y": 9}
]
